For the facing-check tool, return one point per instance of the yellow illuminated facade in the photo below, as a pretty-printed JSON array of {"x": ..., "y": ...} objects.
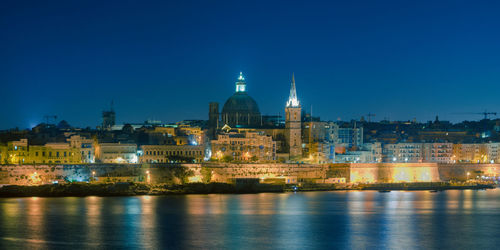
[
  {"x": 248, "y": 146},
  {"x": 19, "y": 152},
  {"x": 394, "y": 173},
  {"x": 4, "y": 156},
  {"x": 471, "y": 153},
  {"x": 54, "y": 153}
]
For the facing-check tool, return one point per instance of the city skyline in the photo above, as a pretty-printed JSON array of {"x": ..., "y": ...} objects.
[
  {"x": 250, "y": 124},
  {"x": 167, "y": 61}
]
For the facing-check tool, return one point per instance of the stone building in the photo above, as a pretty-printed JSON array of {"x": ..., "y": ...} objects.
[
  {"x": 85, "y": 146},
  {"x": 20, "y": 152},
  {"x": 418, "y": 152},
  {"x": 54, "y": 153},
  {"x": 116, "y": 153},
  {"x": 171, "y": 153},
  {"x": 247, "y": 146},
  {"x": 240, "y": 109},
  {"x": 472, "y": 153},
  {"x": 293, "y": 123},
  {"x": 17, "y": 152}
]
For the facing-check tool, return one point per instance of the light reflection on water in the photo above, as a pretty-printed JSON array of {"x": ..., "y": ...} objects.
[{"x": 359, "y": 220}]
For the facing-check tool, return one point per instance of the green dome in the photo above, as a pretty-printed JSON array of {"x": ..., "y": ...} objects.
[{"x": 240, "y": 103}]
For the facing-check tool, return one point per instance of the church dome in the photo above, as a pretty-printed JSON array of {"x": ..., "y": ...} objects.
[
  {"x": 241, "y": 109},
  {"x": 241, "y": 103}
]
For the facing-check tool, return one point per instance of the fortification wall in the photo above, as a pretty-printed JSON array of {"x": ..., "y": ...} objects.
[
  {"x": 228, "y": 172},
  {"x": 462, "y": 172}
]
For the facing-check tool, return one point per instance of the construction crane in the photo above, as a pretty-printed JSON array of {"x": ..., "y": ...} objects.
[
  {"x": 485, "y": 113},
  {"x": 50, "y": 117},
  {"x": 369, "y": 115}
]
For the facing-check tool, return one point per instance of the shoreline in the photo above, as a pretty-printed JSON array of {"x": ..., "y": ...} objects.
[{"x": 137, "y": 189}]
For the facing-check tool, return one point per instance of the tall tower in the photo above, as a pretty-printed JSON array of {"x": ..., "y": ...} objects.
[
  {"x": 213, "y": 119},
  {"x": 293, "y": 123},
  {"x": 108, "y": 118}
]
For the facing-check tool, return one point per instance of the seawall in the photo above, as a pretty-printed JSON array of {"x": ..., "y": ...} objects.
[{"x": 228, "y": 173}]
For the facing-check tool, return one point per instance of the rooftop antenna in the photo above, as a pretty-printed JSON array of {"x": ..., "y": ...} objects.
[{"x": 311, "y": 113}]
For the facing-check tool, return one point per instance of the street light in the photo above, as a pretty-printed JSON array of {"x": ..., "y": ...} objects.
[
  {"x": 93, "y": 175},
  {"x": 148, "y": 177}
]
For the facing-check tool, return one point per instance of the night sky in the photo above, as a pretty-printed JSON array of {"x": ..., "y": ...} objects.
[{"x": 166, "y": 60}]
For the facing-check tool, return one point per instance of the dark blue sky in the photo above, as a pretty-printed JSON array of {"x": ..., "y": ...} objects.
[{"x": 166, "y": 60}]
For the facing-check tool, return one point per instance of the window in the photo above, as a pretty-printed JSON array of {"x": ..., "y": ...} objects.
[{"x": 64, "y": 153}]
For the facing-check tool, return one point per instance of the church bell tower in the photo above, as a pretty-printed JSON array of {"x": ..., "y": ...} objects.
[{"x": 293, "y": 123}]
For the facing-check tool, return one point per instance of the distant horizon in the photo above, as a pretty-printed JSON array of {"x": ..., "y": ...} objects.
[{"x": 173, "y": 122}]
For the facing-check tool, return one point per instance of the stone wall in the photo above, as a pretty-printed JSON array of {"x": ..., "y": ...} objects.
[
  {"x": 228, "y": 172},
  {"x": 475, "y": 171}
]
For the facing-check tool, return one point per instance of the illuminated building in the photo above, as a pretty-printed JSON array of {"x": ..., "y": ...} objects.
[
  {"x": 171, "y": 153},
  {"x": 419, "y": 152},
  {"x": 195, "y": 135},
  {"x": 438, "y": 152},
  {"x": 240, "y": 109},
  {"x": 55, "y": 153},
  {"x": 4, "y": 155},
  {"x": 293, "y": 123},
  {"x": 116, "y": 153},
  {"x": 350, "y": 137},
  {"x": 493, "y": 152},
  {"x": 474, "y": 152},
  {"x": 175, "y": 134},
  {"x": 85, "y": 146},
  {"x": 354, "y": 157},
  {"x": 367, "y": 153},
  {"x": 247, "y": 146},
  {"x": 409, "y": 152},
  {"x": 315, "y": 148},
  {"x": 17, "y": 152}
]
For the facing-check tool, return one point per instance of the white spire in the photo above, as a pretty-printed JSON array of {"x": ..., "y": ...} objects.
[{"x": 292, "y": 100}]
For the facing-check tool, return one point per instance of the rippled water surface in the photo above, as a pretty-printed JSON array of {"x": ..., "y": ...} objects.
[{"x": 325, "y": 220}]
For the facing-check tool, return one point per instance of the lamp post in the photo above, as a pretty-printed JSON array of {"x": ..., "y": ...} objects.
[
  {"x": 468, "y": 174},
  {"x": 93, "y": 175},
  {"x": 148, "y": 177}
]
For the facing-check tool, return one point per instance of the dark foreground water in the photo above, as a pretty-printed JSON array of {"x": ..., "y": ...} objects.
[{"x": 325, "y": 220}]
